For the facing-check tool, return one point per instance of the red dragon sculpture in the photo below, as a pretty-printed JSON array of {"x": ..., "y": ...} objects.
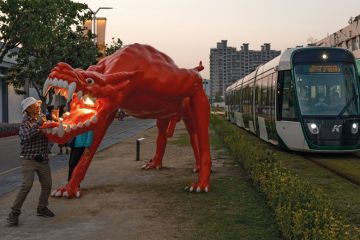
[{"x": 145, "y": 83}]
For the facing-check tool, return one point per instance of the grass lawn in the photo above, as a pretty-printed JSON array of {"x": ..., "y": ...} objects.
[
  {"x": 348, "y": 165},
  {"x": 233, "y": 209}
]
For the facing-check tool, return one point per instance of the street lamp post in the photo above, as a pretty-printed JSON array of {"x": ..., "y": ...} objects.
[{"x": 93, "y": 25}]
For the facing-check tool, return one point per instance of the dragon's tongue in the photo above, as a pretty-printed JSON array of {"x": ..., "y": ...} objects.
[{"x": 79, "y": 116}]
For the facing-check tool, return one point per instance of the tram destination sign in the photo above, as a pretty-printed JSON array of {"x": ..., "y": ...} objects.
[{"x": 324, "y": 69}]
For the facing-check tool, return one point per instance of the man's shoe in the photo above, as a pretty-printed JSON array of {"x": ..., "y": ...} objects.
[
  {"x": 13, "y": 219},
  {"x": 45, "y": 212}
]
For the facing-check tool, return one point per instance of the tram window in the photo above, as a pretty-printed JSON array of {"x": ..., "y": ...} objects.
[
  {"x": 268, "y": 89},
  {"x": 271, "y": 96},
  {"x": 240, "y": 99},
  {"x": 264, "y": 95},
  {"x": 258, "y": 92},
  {"x": 237, "y": 102},
  {"x": 331, "y": 93},
  {"x": 286, "y": 97}
]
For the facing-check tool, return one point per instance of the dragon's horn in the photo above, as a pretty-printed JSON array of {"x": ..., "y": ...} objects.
[
  {"x": 200, "y": 67},
  {"x": 120, "y": 76}
]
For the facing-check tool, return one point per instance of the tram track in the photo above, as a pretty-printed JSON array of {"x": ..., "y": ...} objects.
[{"x": 342, "y": 172}]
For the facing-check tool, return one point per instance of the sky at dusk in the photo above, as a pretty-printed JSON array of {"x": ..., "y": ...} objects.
[{"x": 187, "y": 29}]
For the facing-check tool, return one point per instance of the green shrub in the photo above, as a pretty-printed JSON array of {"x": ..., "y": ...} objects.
[{"x": 302, "y": 211}]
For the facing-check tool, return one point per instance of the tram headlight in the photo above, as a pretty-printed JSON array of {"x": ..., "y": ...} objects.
[
  {"x": 355, "y": 128},
  {"x": 313, "y": 128}
]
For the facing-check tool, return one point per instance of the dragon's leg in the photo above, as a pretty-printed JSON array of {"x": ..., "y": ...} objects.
[
  {"x": 71, "y": 189},
  {"x": 194, "y": 141},
  {"x": 201, "y": 117},
  {"x": 161, "y": 141}
]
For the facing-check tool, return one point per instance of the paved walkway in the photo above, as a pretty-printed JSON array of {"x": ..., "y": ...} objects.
[
  {"x": 118, "y": 131},
  {"x": 79, "y": 218}
]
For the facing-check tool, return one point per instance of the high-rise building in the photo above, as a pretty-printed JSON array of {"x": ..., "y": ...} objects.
[
  {"x": 206, "y": 87},
  {"x": 221, "y": 59},
  {"x": 347, "y": 37},
  {"x": 228, "y": 65},
  {"x": 99, "y": 30}
]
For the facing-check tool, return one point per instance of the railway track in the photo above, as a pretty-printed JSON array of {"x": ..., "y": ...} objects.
[{"x": 344, "y": 166}]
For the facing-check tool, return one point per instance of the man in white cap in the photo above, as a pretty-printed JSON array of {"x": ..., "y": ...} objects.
[{"x": 35, "y": 156}]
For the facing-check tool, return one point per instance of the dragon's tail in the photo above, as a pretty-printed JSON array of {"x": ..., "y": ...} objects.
[{"x": 200, "y": 67}]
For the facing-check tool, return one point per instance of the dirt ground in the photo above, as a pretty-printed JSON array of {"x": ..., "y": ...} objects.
[{"x": 120, "y": 200}]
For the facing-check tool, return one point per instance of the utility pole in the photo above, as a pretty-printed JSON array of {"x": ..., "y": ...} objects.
[{"x": 93, "y": 25}]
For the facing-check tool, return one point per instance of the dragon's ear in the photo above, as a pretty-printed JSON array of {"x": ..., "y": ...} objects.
[{"x": 121, "y": 76}]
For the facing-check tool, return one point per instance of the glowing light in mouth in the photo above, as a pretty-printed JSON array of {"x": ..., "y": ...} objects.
[{"x": 89, "y": 102}]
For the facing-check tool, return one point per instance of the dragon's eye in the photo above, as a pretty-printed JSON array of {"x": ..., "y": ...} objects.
[{"x": 90, "y": 81}]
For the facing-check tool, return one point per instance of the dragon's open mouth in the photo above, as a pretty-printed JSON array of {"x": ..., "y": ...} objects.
[{"x": 83, "y": 108}]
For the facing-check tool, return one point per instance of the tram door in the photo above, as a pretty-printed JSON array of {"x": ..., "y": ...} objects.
[
  {"x": 286, "y": 97},
  {"x": 272, "y": 102}
]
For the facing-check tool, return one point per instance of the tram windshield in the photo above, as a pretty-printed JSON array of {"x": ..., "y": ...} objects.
[{"x": 327, "y": 89}]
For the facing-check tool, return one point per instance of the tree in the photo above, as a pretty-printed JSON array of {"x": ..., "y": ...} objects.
[
  {"x": 113, "y": 46},
  {"x": 12, "y": 26},
  {"x": 47, "y": 32}
]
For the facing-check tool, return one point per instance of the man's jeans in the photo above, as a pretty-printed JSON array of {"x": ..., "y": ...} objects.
[{"x": 29, "y": 167}]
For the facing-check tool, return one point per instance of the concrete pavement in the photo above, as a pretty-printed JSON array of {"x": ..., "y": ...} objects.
[{"x": 79, "y": 218}]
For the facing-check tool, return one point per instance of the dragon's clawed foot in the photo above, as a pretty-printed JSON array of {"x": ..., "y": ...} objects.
[
  {"x": 196, "y": 187},
  {"x": 67, "y": 192},
  {"x": 152, "y": 165}
]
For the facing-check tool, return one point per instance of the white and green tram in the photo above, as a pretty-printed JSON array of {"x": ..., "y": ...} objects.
[{"x": 306, "y": 99}]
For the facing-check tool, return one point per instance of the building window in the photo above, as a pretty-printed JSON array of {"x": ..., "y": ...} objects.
[
  {"x": 353, "y": 44},
  {"x": 3, "y": 70}
]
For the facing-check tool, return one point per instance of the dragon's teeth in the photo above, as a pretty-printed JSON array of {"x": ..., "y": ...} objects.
[
  {"x": 73, "y": 126},
  {"x": 54, "y": 130},
  {"x": 61, "y": 83},
  {"x": 65, "y": 84},
  {"x": 46, "y": 87},
  {"x": 72, "y": 88},
  {"x": 79, "y": 95},
  {"x": 60, "y": 131},
  {"x": 87, "y": 123},
  {"x": 55, "y": 82},
  {"x": 94, "y": 119},
  {"x": 80, "y": 125},
  {"x": 68, "y": 129}
]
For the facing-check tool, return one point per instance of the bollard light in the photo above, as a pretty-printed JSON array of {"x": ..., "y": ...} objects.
[{"x": 138, "y": 148}]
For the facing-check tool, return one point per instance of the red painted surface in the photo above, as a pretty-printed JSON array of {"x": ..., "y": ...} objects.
[
  {"x": 8, "y": 134},
  {"x": 145, "y": 83}
]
